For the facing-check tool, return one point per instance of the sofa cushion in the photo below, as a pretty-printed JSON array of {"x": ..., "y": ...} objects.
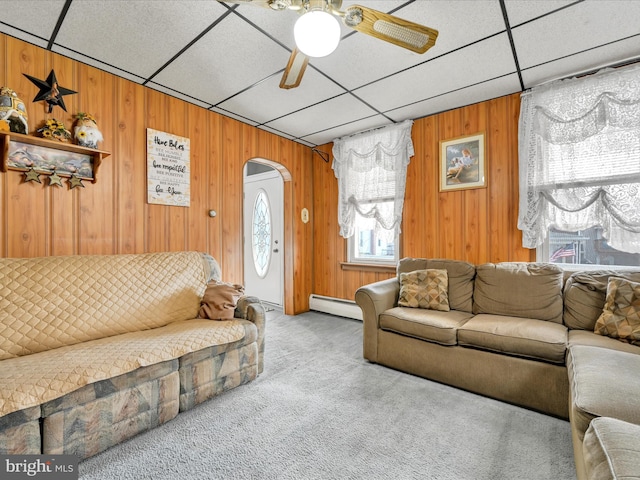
[
  {"x": 52, "y": 302},
  {"x": 523, "y": 337},
  {"x": 519, "y": 289},
  {"x": 460, "y": 276},
  {"x": 584, "y": 337},
  {"x": 584, "y": 296},
  {"x": 431, "y": 325},
  {"x": 611, "y": 449},
  {"x": 620, "y": 317},
  {"x": 424, "y": 289},
  {"x": 25, "y": 383},
  {"x": 600, "y": 386}
]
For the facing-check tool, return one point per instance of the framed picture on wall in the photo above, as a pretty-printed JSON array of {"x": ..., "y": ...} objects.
[{"x": 462, "y": 163}]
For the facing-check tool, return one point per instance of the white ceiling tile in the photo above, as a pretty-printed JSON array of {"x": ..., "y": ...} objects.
[
  {"x": 459, "y": 98},
  {"x": 357, "y": 126},
  {"x": 28, "y": 21},
  {"x": 481, "y": 61},
  {"x": 179, "y": 95},
  {"x": 96, "y": 63},
  {"x": 328, "y": 114},
  {"x": 234, "y": 116},
  {"x": 519, "y": 12},
  {"x": 361, "y": 59},
  {"x": 276, "y": 102},
  {"x": 585, "y": 62},
  {"x": 577, "y": 28},
  {"x": 219, "y": 65},
  {"x": 135, "y": 36}
]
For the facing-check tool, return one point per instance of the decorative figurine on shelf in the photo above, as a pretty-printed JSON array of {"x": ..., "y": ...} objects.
[
  {"x": 50, "y": 91},
  {"x": 86, "y": 131},
  {"x": 54, "y": 129},
  {"x": 13, "y": 111}
]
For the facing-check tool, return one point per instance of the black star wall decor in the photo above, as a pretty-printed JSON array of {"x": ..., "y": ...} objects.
[{"x": 50, "y": 91}]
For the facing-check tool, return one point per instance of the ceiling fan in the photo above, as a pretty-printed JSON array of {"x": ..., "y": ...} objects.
[{"x": 317, "y": 31}]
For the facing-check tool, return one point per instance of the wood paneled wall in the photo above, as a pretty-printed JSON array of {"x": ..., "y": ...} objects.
[
  {"x": 112, "y": 215},
  {"x": 478, "y": 225}
]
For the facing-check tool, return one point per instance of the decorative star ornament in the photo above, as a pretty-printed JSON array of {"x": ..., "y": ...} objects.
[
  {"x": 32, "y": 176},
  {"x": 55, "y": 179},
  {"x": 75, "y": 181},
  {"x": 50, "y": 91}
]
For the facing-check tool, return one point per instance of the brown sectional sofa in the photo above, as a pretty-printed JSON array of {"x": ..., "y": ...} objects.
[
  {"x": 96, "y": 349},
  {"x": 522, "y": 333}
]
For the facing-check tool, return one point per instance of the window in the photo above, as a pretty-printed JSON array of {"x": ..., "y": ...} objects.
[
  {"x": 261, "y": 234},
  {"x": 371, "y": 169},
  {"x": 583, "y": 247},
  {"x": 579, "y": 167},
  {"x": 371, "y": 243}
]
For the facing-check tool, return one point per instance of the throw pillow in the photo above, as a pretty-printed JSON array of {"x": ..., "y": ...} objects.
[
  {"x": 620, "y": 317},
  {"x": 425, "y": 289},
  {"x": 219, "y": 300}
]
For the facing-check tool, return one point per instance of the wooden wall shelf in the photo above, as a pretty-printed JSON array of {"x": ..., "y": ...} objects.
[{"x": 96, "y": 156}]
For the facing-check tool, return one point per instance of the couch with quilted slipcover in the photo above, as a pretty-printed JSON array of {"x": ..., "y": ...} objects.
[
  {"x": 566, "y": 344},
  {"x": 96, "y": 349}
]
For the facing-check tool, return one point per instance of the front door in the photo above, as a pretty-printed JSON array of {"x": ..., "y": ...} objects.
[{"x": 263, "y": 236}]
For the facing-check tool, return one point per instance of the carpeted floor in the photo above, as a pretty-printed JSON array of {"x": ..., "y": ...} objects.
[{"x": 320, "y": 411}]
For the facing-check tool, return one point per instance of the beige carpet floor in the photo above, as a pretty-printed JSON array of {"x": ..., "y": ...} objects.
[{"x": 320, "y": 411}]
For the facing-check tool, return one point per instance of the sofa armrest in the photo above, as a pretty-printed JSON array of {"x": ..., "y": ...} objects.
[
  {"x": 374, "y": 299},
  {"x": 250, "y": 308}
]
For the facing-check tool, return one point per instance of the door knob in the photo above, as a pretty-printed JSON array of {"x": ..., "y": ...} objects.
[{"x": 275, "y": 250}]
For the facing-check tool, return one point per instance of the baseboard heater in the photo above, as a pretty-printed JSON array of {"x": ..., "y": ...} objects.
[{"x": 335, "y": 306}]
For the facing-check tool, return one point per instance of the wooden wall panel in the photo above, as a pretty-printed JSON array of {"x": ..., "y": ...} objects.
[
  {"x": 476, "y": 225},
  {"x": 112, "y": 215}
]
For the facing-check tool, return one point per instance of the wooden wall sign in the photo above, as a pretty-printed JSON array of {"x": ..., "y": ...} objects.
[{"x": 168, "y": 169}]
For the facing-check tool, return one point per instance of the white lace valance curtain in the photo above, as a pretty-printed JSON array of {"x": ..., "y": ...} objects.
[
  {"x": 371, "y": 169},
  {"x": 579, "y": 158}
]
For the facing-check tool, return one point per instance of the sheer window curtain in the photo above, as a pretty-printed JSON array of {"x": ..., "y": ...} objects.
[
  {"x": 371, "y": 169},
  {"x": 579, "y": 158}
]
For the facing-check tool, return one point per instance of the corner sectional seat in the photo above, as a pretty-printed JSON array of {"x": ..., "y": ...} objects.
[
  {"x": 96, "y": 349},
  {"x": 522, "y": 333}
]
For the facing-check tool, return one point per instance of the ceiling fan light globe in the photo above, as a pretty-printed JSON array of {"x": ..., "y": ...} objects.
[{"x": 317, "y": 33}]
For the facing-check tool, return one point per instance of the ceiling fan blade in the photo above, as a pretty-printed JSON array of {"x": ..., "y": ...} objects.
[
  {"x": 398, "y": 31},
  {"x": 295, "y": 69}
]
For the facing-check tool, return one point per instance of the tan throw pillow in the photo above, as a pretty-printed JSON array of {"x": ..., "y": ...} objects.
[
  {"x": 620, "y": 317},
  {"x": 425, "y": 289},
  {"x": 219, "y": 300}
]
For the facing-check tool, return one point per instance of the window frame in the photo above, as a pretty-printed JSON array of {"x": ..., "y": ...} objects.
[{"x": 352, "y": 248}]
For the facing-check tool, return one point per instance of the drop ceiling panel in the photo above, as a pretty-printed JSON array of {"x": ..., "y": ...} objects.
[
  {"x": 149, "y": 32},
  {"x": 266, "y": 101},
  {"x": 520, "y": 12},
  {"x": 479, "y": 62},
  {"x": 220, "y": 65},
  {"x": 177, "y": 94},
  {"x": 342, "y": 130},
  {"x": 97, "y": 63},
  {"x": 580, "y": 27},
  {"x": 24, "y": 19},
  {"x": 361, "y": 59},
  {"x": 466, "y": 96},
  {"x": 588, "y": 61},
  {"x": 326, "y": 115},
  {"x": 235, "y": 68}
]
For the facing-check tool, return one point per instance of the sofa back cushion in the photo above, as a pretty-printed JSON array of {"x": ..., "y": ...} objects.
[
  {"x": 50, "y": 302},
  {"x": 584, "y": 296},
  {"x": 460, "y": 277},
  {"x": 519, "y": 289}
]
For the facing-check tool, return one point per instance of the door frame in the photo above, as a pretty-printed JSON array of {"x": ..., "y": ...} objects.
[{"x": 288, "y": 292}]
